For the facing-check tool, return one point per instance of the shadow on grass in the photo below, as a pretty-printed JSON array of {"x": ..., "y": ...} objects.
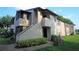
[{"x": 67, "y": 46}]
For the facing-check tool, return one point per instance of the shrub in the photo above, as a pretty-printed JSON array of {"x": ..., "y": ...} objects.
[
  {"x": 2, "y": 30},
  {"x": 31, "y": 42},
  {"x": 8, "y": 34},
  {"x": 58, "y": 40}
]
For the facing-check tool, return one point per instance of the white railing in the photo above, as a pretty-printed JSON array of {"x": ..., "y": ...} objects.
[
  {"x": 24, "y": 30},
  {"x": 22, "y": 22},
  {"x": 46, "y": 22}
]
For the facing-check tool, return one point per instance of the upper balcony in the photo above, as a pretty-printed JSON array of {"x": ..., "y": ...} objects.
[
  {"x": 22, "y": 22},
  {"x": 46, "y": 22}
]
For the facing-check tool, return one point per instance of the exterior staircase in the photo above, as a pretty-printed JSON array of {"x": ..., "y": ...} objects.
[{"x": 32, "y": 31}]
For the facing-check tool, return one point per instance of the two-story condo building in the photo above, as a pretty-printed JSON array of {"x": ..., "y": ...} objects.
[{"x": 38, "y": 22}]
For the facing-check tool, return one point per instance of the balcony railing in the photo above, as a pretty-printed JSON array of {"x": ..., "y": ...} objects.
[
  {"x": 46, "y": 22},
  {"x": 22, "y": 22}
]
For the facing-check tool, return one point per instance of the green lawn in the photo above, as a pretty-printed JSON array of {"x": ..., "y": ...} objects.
[
  {"x": 4, "y": 41},
  {"x": 71, "y": 43}
]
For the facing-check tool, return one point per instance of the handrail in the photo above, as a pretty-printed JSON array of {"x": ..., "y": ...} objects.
[{"x": 24, "y": 30}]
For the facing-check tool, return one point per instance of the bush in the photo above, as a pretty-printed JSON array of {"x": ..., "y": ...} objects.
[
  {"x": 2, "y": 30},
  {"x": 8, "y": 34},
  {"x": 58, "y": 40},
  {"x": 31, "y": 42}
]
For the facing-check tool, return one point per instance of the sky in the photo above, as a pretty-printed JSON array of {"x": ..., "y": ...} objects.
[
  {"x": 68, "y": 12},
  {"x": 7, "y": 11}
]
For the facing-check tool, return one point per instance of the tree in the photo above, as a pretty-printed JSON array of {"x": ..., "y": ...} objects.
[
  {"x": 1, "y": 25},
  {"x": 6, "y": 21}
]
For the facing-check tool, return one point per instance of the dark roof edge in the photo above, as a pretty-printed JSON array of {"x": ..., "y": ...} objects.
[
  {"x": 40, "y": 9},
  {"x": 51, "y": 12},
  {"x": 44, "y": 9},
  {"x": 23, "y": 11},
  {"x": 34, "y": 8}
]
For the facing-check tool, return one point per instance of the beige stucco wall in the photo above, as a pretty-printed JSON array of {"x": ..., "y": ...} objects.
[
  {"x": 69, "y": 29},
  {"x": 40, "y": 17},
  {"x": 67, "y": 26},
  {"x": 72, "y": 29},
  {"x": 53, "y": 25},
  {"x": 65, "y": 29},
  {"x": 52, "y": 22},
  {"x": 61, "y": 28}
]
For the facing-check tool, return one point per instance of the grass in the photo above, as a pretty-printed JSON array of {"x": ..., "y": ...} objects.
[
  {"x": 4, "y": 41},
  {"x": 71, "y": 43}
]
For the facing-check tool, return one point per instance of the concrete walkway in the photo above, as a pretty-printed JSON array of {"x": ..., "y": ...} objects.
[{"x": 11, "y": 47}]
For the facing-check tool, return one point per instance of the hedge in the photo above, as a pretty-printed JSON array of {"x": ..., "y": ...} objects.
[{"x": 31, "y": 42}]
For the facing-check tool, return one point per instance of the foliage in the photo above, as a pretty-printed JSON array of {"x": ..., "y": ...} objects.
[
  {"x": 31, "y": 42},
  {"x": 6, "y": 37},
  {"x": 2, "y": 30},
  {"x": 77, "y": 31},
  {"x": 8, "y": 34},
  {"x": 5, "y": 21},
  {"x": 4, "y": 41},
  {"x": 1, "y": 25},
  {"x": 57, "y": 40},
  {"x": 71, "y": 43},
  {"x": 65, "y": 20}
]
